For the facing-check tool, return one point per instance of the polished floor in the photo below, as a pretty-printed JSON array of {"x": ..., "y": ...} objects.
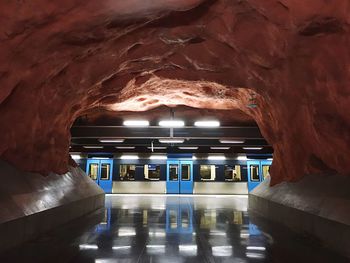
[{"x": 135, "y": 228}]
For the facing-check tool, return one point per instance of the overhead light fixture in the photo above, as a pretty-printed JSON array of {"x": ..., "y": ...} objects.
[
  {"x": 171, "y": 140},
  {"x": 232, "y": 141},
  {"x": 158, "y": 157},
  {"x": 242, "y": 158},
  {"x": 111, "y": 140},
  {"x": 136, "y": 123},
  {"x": 129, "y": 157},
  {"x": 270, "y": 159},
  {"x": 252, "y": 148},
  {"x": 216, "y": 158},
  {"x": 220, "y": 148},
  {"x": 92, "y": 147},
  {"x": 194, "y": 157},
  {"x": 157, "y": 148},
  {"x": 172, "y": 123},
  {"x": 76, "y": 156},
  {"x": 188, "y": 148},
  {"x": 207, "y": 124},
  {"x": 125, "y": 147}
]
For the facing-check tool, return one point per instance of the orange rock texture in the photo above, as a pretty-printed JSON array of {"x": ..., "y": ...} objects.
[{"x": 60, "y": 59}]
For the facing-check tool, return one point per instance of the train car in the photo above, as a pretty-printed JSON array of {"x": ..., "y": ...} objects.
[{"x": 176, "y": 174}]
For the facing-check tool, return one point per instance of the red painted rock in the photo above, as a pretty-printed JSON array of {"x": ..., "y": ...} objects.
[{"x": 61, "y": 59}]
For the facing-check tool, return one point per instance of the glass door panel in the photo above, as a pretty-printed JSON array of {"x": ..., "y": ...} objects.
[
  {"x": 174, "y": 172},
  {"x": 105, "y": 171},
  {"x": 185, "y": 172}
]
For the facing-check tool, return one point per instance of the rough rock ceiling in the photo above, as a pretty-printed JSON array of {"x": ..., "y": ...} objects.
[{"x": 61, "y": 59}]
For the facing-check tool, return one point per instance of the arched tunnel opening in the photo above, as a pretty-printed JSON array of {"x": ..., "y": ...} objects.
[{"x": 179, "y": 130}]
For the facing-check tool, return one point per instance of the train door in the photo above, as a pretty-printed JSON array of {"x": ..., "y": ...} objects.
[
  {"x": 179, "y": 177},
  {"x": 265, "y": 169},
  {"x": 254, "y": 177},
  {"x": 101, "y": 172}
]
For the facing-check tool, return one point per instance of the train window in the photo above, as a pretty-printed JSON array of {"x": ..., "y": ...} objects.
[
  {"x": 185, "y": 172},
  {"x": 266, "y": 171},
  {"x": 127, "y": 172},
  {"x": 233, "y": 173},
  {"x": 173, "y": 172},
  {"x": 93, "y": 171},
  {"x": 152, "y": 172},
  {"x": 254, "y": 173},
  {"x": 207, "y": 172},
  {"x": 105, "y": 171}
]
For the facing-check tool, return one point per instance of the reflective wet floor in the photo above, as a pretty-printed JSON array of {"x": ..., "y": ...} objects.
[{"x": 160, "y": 228}]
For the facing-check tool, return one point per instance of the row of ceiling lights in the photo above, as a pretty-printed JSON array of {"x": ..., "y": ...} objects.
[
  {"x": 172, "y": 123},
  {"x": 163, "y": 148},
  {"x": 164, "y": 157},
  {"x": 170, "y": 140}
]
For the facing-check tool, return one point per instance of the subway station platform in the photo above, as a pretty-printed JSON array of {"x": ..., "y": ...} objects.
[{"x": 171, "y": 228}]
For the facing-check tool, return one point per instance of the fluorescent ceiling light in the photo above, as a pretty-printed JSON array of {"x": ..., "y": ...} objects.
[
  {"x": 158, "y": 157},
  {"x": 93, "y": 147},
  {"x": 216, "y": 158},
  {"x": 188, "y": 148},
  {"x": 220, "y": 148},
  {"x": 242, "y": 158},
  {"x": 136, "y": 123},
  {"x": 172, "y": 123},
  {"x": 232, "y": 141},
  {"x": 87, "y": 246},
  {"x": 75, "y": 156},
  {"x": 100, "y": 158},
  {"x": 111, "y": 140},
  {"x": 157, "y": 148},
  {"x": 207, "y": 124},
  {"x": 252, "y": 148},
  {"x": 270, "y": 159},
  {"x": 256, "y": 248},
  {"x": 171, "y": 140},
  {"x": 125, "y": 147},
  {"x": 129, "y": 157}
]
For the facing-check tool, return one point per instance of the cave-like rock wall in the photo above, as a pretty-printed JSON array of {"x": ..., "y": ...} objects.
[{"x": 59, "y": 59}]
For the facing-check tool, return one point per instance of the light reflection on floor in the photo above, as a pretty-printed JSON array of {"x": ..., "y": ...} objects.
[{"x": 172, "y": 229}]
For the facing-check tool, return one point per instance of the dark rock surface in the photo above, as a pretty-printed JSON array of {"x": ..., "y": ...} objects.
[{"x": 61, "y": 59}]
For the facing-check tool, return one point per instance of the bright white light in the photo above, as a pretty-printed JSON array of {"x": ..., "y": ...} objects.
[
  {"x": 111, "y": 140},
  {"x": 220, "y": 148},
  {"x": 125, "y": 147},
  {"x": 252, "y": 148},
  {"x": 121, "y": 247},
  {"x": 158, "y": 157},
  {"x": 242, "y": 158},
  {"x": 188, "y": 250},
  {"x": 75, "y": 156},
  {"x": 194, "y": 158},
  {"x": 270, "y": 159},
  {"x": 216, "y": 158},
  {"x": 256, "y": 248},
  {"x": 254, "y": 255},
  {"x": 188, "y": 148},
  {"x": 136, "y": 123},
  {"x": 129, "y": 157},
  {"x": 101, "y": 158},
  {"x": 232, "y": 141},
  {"x": 172, "y": 123},
  {"x": 93, "y": 147},
  {"x": 171, "y": 140},
  {"x": 207, "y": 124},
  {"x": 87, "y": 246},
  {"x": 126, "y": 232},
  {"x": 157, "y": 148},
  {"x": 222, "y": 251}
]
